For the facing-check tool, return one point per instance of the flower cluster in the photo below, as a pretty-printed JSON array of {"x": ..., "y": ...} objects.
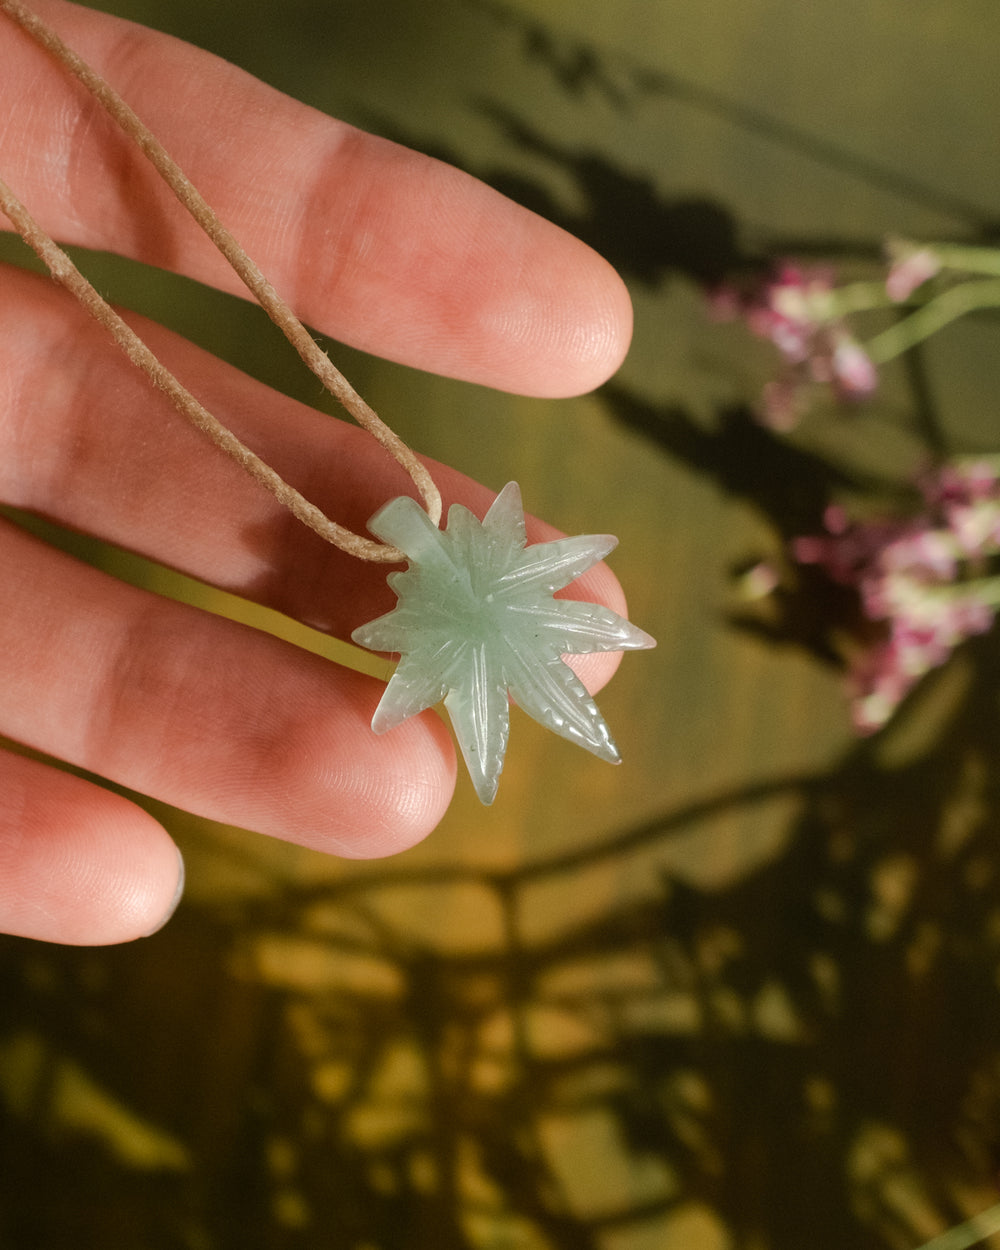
[
  {"x": 921, "y": 585},
  {"x": 798, "y": 310},
  {"x": 926, "y": 581}
]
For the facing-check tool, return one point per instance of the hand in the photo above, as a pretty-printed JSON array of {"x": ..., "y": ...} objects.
[{"x": 374, "y": 245}]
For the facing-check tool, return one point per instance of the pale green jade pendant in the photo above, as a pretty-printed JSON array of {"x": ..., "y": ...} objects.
[{"x": 476, "y": 622}]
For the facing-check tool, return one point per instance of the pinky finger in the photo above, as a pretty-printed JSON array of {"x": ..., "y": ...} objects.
[{"x": 79, "y": 865}]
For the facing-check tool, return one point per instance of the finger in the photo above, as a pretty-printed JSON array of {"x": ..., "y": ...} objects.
[
  {"x": 380, "y": 247},
  {"x": 89, "y": 443},
  {"x": 221, "y": 720},
  {"x": 79, "y": 865}
]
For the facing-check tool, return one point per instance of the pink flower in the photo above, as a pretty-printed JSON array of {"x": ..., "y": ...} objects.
[
  {"x": 915, "y": 580},
  {"x": 882, "y": 676},
  {"x": 847, "y": 550},
  {"x": 911, "y": 267},
  {"x": 961, "y": 481},
  {"x": 796, "y": 310},
  {"x": 790, "y": 309},
  {"x": 854, "y": 374}
]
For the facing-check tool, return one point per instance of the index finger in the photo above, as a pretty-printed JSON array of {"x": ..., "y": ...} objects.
[{"x": 380, "y": 247}]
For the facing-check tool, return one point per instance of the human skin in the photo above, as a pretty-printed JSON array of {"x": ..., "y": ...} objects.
[{"x": 374, "y": 245}]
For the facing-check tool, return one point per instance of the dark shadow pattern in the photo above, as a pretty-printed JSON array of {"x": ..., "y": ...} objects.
[
  {"x": 583, "y": 69},
  {"x": 811, "y": 1052}
]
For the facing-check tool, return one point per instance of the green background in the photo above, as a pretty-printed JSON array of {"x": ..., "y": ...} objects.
[{"x": 741, "y": 991}]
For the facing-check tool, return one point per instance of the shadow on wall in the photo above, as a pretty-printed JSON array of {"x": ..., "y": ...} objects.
[{"x": 812, "y": 1047}]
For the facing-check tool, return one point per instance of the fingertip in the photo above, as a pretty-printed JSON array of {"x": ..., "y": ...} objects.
[
  {"x": 80, "y": 866},
  {"x": 132, "y": 891},
  {"x": 591, "y": 337},
  {"x": 401, "y": 786},
  {"x": 562, "y": 327},
  {"x": 458, "y": 279},
  {"x": 321, "y": 778},
  {"x": 175, "y": 899},
  {"x": 607, "y": 337}
]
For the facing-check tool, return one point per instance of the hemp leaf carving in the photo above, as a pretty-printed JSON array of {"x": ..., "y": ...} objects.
[{"x": 476, "y": 622}]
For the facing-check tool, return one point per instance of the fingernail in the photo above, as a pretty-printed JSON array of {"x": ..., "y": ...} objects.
[{"x": 178, "y": 895}]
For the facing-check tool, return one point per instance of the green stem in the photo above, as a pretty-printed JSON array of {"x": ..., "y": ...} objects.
[
  {"x": 973, "y": 1231},
  {"x": 858, "y": 297},
  {"x": 985, "y": 260},
  {"x": 956, "y": 302},
  {"x": 987, "y": 590}
]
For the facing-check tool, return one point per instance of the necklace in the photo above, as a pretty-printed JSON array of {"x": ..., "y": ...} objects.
[{"x": 476, "y": 622}]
